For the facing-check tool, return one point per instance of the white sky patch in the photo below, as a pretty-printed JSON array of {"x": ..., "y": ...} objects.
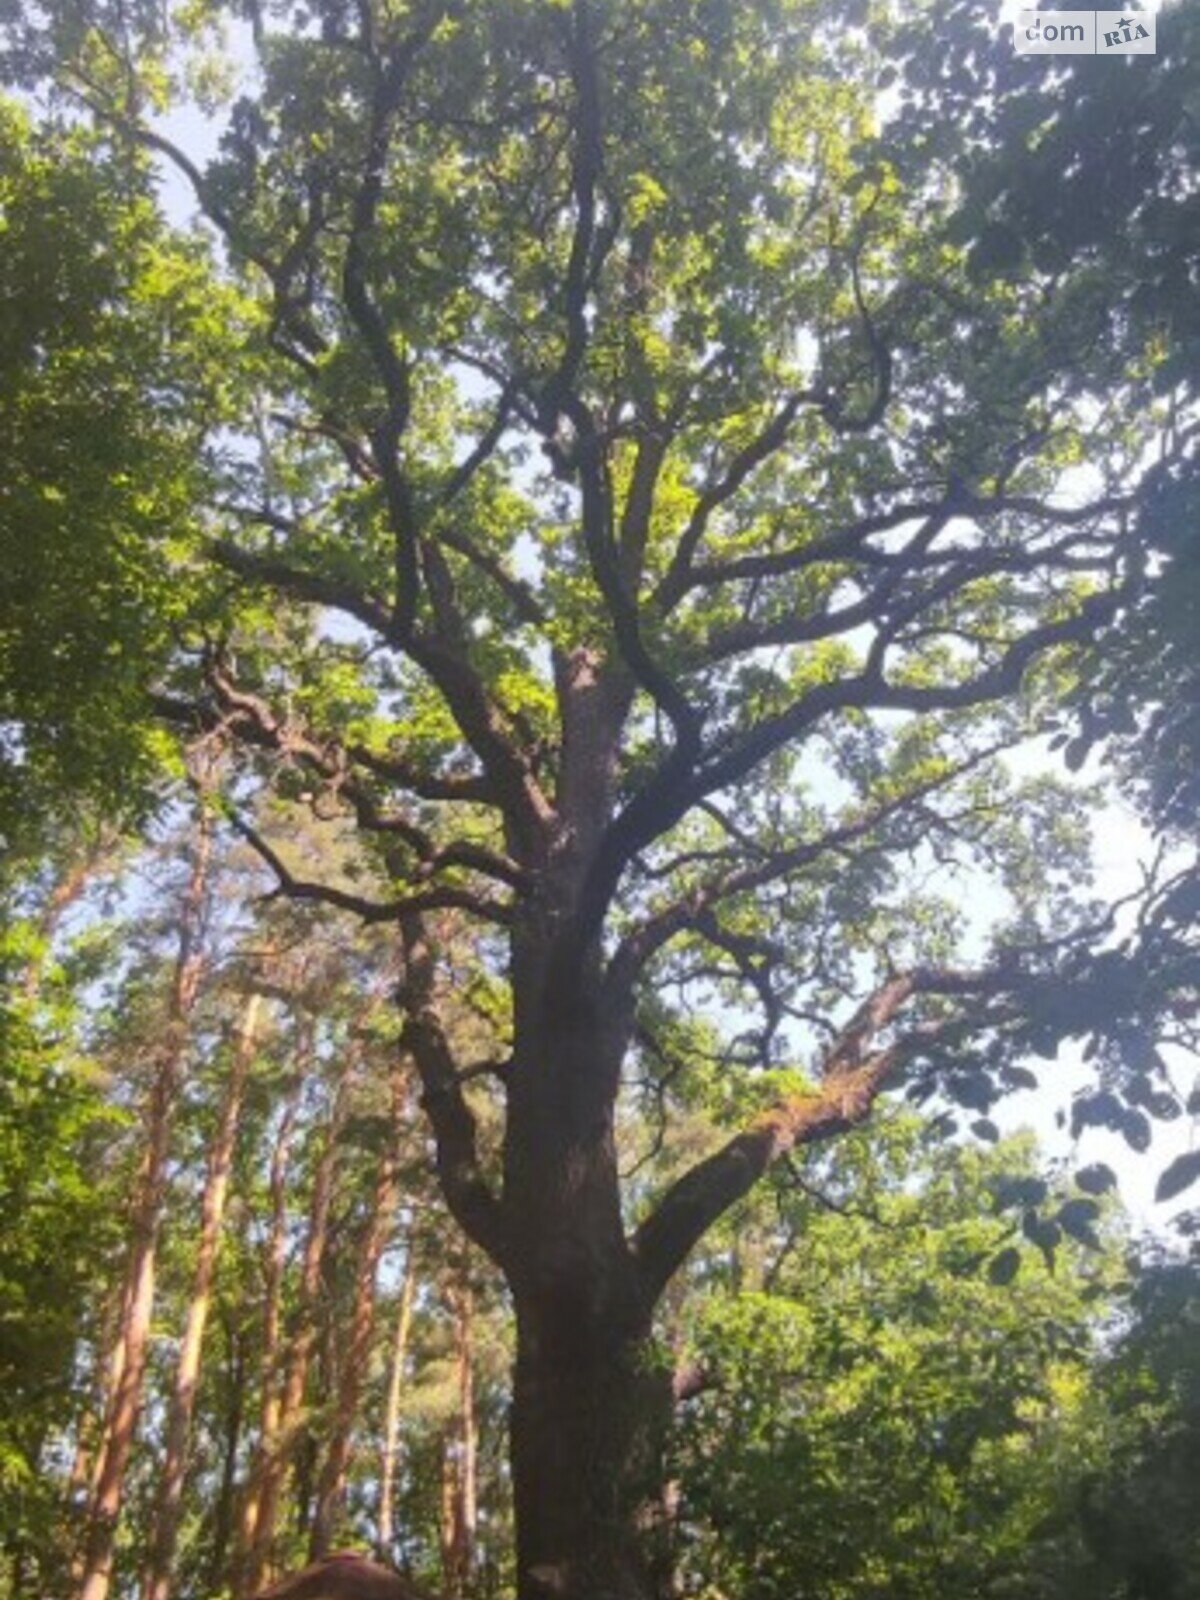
[{"x": 1123, "y": 850}]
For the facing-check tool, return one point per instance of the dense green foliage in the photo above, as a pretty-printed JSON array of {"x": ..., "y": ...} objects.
[
  {"x": 108, "y": 330},
  {"x": 907, "y": 1397},
  {"x": 1105, "y": 191},
  {"x": 60, "y": 1210},
  {"x": 1136, "y": 1531}
]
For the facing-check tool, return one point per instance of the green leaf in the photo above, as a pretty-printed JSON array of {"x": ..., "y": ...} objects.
[
  {"x": 1004, "y": 1267},
  {"x": 1135, "y": 1129},
  {"x": 1076, "y": 1218},
  {"x": 1180, "y": 1175},
  {"x": 1096, "y": 1179}
]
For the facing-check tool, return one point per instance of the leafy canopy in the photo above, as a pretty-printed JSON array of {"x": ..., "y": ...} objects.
[
  {"x": 655, "y": 492},
  {"x": 109, "y": 329}
]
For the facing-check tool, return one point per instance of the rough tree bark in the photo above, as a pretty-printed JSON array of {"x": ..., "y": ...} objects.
[
  {"x": 590, "y": 1407},
  {"x": 164, "y": 1534},
  {"x": 124, "y": 1403}
]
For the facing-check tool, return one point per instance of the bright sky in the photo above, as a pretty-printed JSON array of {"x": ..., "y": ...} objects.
[{"x": 1122, "y": 846}]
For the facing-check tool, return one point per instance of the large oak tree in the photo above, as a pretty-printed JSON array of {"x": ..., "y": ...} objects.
[{"x": 644, "y": 508}]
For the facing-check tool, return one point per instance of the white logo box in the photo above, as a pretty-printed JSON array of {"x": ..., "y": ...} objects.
[{"x": 1085, "y": 33}]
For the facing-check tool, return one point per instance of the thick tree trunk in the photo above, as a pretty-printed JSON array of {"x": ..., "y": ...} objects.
[
  {"x": 157, "y": 1582},
  {"x": 590, "y": 1406},
  {"x": 124, "y": 1405},
  {"x": 589, "y": 1423}
]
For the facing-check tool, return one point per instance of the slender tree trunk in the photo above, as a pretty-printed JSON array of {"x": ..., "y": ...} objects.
[
  {"x": 81, "y": 1481},
  {"x": 470, "y": 1434},
  {"x": 460, "y": 1457},
  {"x": 278, "y": 1445},
  {"x": 304, "y": 1451},
  {"x": 331, "y": 1484},
  {"x": 391, "y": 1422},
  {"x": 116, "y": 1442},
  {"x": 448, "y": 1518},
  {"x": 275, "y": 1260},
  {"x": 157, "y": 1582},
  {"x": 223, "y": 1512}
]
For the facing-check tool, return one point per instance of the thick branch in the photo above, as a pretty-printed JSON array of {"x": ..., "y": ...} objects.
[
  {"x": 391, "y": 368},
  {"x": 444, "y": 897},
  {"x": 870, "y": 691},
  {"x": 481, "y": 723},
  {"x": 332, "y": 763},
  {"x": 471, "y": 1200},
  {"x": 676, "y": 581},
  {"x": 605, "y": 559},
  {"x": 510, "y": 779},
  {"x": 468, "y": 787},
  {"x": 855, "y": 1073},
  {"x": 279, "y": 274},
  {"x": 586, "y": 246},
  {"x": 311, "y": 587},
  {"x": 849, "y": 541},
  {"x": 693, "y": 1204}
]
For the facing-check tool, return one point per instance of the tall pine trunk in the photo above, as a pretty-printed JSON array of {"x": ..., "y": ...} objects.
[
  {"x": 124, "y": 1403},
  {"x": 157, "y": 1582},
  {"x": 331, "y": 1482},
  {"x": 460, "y": 1451},
  {"x": 391, "y": 1422},
  {"x": 109, "y": 1358},
  {"x": 277, "y": 1447},
  {"x": 274, "y": 1263}
]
